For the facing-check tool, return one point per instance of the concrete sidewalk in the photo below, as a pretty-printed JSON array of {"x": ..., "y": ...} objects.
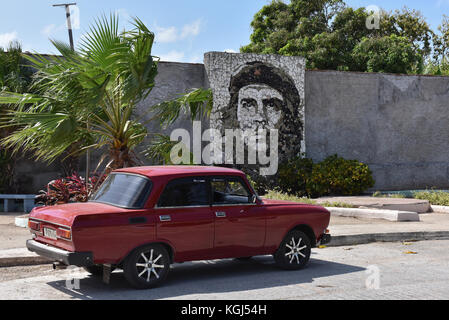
[
  {"x": 401, "y": 204},
  {"x": 345, "y": 231},
  {"x": 353, "y": 231}
]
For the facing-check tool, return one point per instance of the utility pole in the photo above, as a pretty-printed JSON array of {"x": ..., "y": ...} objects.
[
  {"x": 69, "y": 22},
  {"x": 69, "y": 27}
]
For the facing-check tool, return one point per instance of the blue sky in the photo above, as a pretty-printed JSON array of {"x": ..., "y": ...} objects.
[{"x": 185, "y": 29}]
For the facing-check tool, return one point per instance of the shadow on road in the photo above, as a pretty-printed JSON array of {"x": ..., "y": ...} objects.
[{"x": 208, "y": 277}]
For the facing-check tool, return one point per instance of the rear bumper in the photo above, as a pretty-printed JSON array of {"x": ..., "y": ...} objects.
[{"x": 79, "y": 259}]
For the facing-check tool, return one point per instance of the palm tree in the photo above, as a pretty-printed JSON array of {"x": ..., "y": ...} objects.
[
  {"x": 85, "y": 98},
  {"x": 14, "y": 77}
]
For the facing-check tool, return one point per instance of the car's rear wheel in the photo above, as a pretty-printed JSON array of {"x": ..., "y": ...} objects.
[
  {"x": 147, "y": 267},
  {"x": 294, "y": 251}
]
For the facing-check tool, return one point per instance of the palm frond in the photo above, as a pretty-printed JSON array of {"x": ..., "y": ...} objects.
[{"x": 197, "y": 104}]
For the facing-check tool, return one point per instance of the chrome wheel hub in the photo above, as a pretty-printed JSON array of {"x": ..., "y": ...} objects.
[
  {"x": 147, "y": 266},
  {"x": 295, "y": 250}
]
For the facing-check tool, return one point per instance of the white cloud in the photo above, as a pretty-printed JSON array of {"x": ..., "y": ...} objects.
[
  {"x": 172, "y": 34},
  {"x": 166, "y": 35},
  {"x": 123, "y": 14},
  {"x": 192, "y": 29},
  {"x": 196, "y": 59},
  {"x": 6, "y": 38},
  {"x": 48, "y": 30},
  {"x": 230, "y": 51},
  {"x": 442, "y": 3},
  {"x": 173, "y": 56}
]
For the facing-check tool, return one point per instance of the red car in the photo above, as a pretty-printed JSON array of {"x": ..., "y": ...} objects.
[{"x": 143, "y": 219}]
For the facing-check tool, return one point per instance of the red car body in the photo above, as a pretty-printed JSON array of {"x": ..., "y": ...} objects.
[{"x": 95, "y": 233}]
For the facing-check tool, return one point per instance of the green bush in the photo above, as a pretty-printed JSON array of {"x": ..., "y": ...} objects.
[
  {"x": 278, "y": 195},
  {"x": 333, "y": 176},
  {"x": 338, "y": 176},
  {"x": 437, "y": 198},
  {"x": 294, "y": 176}
]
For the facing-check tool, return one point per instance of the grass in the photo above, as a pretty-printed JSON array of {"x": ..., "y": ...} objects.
[
  {"x": 437, "y": 198},
  {"x": 277, "y": 195},
  {"x": 378, "y": 194}
]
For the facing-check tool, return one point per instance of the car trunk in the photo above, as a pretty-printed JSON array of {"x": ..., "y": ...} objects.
[{"x": 53, "y": 225}]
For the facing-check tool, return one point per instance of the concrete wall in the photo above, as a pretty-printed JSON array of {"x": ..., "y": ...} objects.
[
  {"x": 173, "y": 79},
  {"x": 398, "y": 125}
]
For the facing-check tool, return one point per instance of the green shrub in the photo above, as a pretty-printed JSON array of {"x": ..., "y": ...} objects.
[
  {"x": 338, "y": 176},
  {"x": 377, "y": 194},
  {"x": 278, "y": 195},
  {"x": 295, "y": 175},
  {"x": 333, "y": 176},
  {"x": 437, "y": 198}
]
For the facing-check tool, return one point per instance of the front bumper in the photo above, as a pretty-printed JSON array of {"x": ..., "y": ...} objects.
[
  {"x": 79, "y": 259},
  {"x": 325, "y": 239}
]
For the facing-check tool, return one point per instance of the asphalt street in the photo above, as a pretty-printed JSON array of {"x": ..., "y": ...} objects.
[{"x": 418, "y": 270}]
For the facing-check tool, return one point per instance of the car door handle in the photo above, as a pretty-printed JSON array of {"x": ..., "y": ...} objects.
[
  {"x": 165, "y": 218},
  {"x": 220, "y": 214}
]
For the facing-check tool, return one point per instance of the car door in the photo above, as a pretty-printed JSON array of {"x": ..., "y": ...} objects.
[
  {"x": 185, "y": 218},
  {"x": 240, "y": 224}
]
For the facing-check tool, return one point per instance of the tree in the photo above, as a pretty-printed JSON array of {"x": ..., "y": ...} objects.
[
  {"x": 439, "y": 64},
  {"x": 279, "y": 24},
  {"x": 392, "y": 54},
  {"x": 85, "y": 99},
  {"x": 326, "y": 32},
  {"x": 14, "y": 77}
]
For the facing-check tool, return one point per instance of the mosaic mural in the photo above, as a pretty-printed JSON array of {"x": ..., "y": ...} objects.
[{"x": 259, "y": 91}]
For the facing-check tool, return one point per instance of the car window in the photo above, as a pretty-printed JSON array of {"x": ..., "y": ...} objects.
[
  {"x": 123, "y": 190},
  {"x": 229, "y": 190},
  {"x": 187, "y": 192}
]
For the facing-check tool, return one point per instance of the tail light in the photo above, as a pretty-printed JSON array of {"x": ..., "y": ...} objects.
[
  {"x": 33, "y": 225},
  {"x": 64, "y": 233}
]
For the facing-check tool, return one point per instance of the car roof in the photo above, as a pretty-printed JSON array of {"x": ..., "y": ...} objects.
[{"x": 155, "y": 171}]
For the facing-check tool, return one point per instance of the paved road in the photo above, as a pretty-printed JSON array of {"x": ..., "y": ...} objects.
[{"x": 333, "y": 273}]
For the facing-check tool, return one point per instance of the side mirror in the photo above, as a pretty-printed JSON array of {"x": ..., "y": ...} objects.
[{"x": 252, "y": 198}]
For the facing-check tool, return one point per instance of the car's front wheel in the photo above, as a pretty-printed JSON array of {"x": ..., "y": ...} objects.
[
  {"x": 294, "y": 251},
  {"x": 147, "y": 267}
]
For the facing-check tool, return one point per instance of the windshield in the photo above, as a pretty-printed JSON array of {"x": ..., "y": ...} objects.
[{"x": 123, "y": 190}]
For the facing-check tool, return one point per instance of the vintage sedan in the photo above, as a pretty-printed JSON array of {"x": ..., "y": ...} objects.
[{"x": 144, "y": 219}]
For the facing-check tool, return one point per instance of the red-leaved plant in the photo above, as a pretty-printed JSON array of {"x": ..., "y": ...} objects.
[{"x": 69, "y": 190}]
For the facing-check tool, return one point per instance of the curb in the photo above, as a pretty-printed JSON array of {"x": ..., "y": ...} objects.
[
  {"x": 21, "y": 221},
  {"x": 337, "y": 241},
  {"x": 23, "y": 261},
  {"x": 440, "y": 209},
  {"x": 391, "y": 215},
  {"x": 357, "y": 239}
]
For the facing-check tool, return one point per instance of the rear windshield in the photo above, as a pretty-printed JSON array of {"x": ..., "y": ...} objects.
[{"x": 123, "y": 190}]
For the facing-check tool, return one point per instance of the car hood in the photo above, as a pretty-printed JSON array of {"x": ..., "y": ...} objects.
[{"x": 65, "y": 214}]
